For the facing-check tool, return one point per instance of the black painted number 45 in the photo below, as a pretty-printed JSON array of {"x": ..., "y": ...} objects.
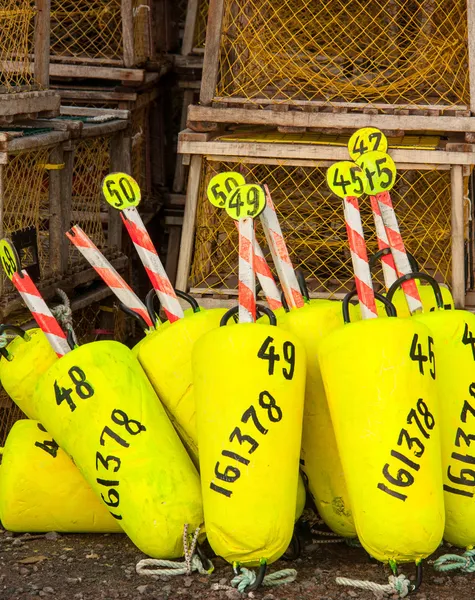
[{"x": 83, "y": 389}]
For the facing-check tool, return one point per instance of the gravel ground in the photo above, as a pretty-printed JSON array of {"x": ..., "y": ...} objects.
[{"x": 102, "y": 567}]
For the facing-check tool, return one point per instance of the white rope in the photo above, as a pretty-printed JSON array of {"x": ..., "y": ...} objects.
[
  {"x": 64, "y": 314},
  {"x": 101, "y": 119},
  {"x": 4, "y": 339},
  {"x": 399, "y": 585},
  {"x": 247, "y": 577},
  {"x": 154, "y": 566}
]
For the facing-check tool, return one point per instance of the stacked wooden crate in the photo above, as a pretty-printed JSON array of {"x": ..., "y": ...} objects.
[{"x": 285, "y": 84}]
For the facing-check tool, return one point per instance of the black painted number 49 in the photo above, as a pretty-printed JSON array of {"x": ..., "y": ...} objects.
[
  {"x": 267, "y": 352},
  {"x": 83, "y": 389}
]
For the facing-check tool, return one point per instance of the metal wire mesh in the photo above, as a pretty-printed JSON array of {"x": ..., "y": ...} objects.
[
  {"x": 140, "y": 158},
  {"x": 86, "y": 29},
  {"x": 313, "y": 225},
  {"x": 91, "y": 30},
  {"x": 201, "y": 22},
  {"x": 91, "y": 165},
  {"x": 26, "y": 203},
  {"x": 17, "y": 19},
  {"x": 388, "y": 51}
]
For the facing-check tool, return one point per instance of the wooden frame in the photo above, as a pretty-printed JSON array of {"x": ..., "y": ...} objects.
[
  {"x": 63, "y": 141},
  {"x": 190, "y": 93},
  {"x": 33, "y": 100},
  {"x": 122, "y": 68},
  {"x": 301, "y": 115},
  {"x": 197, "y": 146}
]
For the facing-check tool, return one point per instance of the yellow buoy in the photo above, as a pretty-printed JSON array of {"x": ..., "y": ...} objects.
[
  {"x": 165, "y": 356},
  {"x": 249, "y": 389},
  {"x": 320, "y": 459},
  {"x": 454, "y": 374},
  {"x": 24, "y": 361},
  {"x": 387, "y": 426},
  {"x": 41, "y": 489},
  {"x": 100, "y": 408}
]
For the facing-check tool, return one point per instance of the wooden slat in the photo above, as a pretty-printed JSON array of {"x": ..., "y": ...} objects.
[
  {"x": 37, "y": 141},
  {"x": 88, "y": 72},
  {"x": 188, "y": 231},
  {"x": 128, "y": 33},
  {"x": 458, "y": 261},
  {"x": 190, "y": 27},
  {"x": 26, "y": 103},
  {"x": 351, "y": 121},
  {"x": 86, "y": 111},
  {"x": 212, "y": 52},
  {"x": 120, "y": 149},
  {"x": 42, "y": 42},
  {"x": 318, "y": 152},
  {"x": 66, "y": 201},
  {"x": 56, "y": 220},
  {"x": 471, "y": 51}
]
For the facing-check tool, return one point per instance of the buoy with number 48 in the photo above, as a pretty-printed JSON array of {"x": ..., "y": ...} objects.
[{"x": 99, "y": 406}]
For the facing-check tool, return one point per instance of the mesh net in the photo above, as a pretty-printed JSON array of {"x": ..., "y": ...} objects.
[
  {"x": 201, "y": 22},
  {"x": 91, "y": 165},
  {"x": 92, "y": 29},
  {"x": 140, "y": 159},
  {"x": 26, "y": 203},
  {"x": 388, "y": 51},
  {"x": 313, "y": 225},
  {"x": 17, "y": 18}
]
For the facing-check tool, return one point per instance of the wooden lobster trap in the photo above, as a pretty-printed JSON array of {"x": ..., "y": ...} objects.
[
  {"x": 144, "y": 111},
  {"x": 429, "y": 197},
  {"x": 101, "y": 39},
  {"x": 395, "y": 64},
  {"x": 50, "y": 179},
  {"x": 24, "y": 60}
]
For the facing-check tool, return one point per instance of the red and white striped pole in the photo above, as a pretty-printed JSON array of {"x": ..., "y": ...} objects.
[
  {"x": 280, "y": 254},
  {"x": 107, "y": 272},
  {"x": 265, "y": 277},
  {"x": 359, "y": 258},
  {"x": 399, "y": 251},
  {"x": 152, "y": 263},
  {"x": 247, "y": 276},
  {"x": 41, "y": 313},
  {"x": 387, "y": 260}
]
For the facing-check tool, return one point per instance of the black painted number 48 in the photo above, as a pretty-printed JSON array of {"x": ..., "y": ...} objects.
[{"x": 83, "y": 389}]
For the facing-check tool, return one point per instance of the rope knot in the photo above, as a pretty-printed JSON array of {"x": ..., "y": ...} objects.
[
  {"x": 454, "y": 562},
  {"x": 153, "y": 566},
  {"x": 64, "y": 314},
  {"x": 245, "y": 578}
]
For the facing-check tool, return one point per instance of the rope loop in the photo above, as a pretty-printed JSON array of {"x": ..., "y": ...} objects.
[
  {"x": 64, "y": 314},
  {"x": 399, "y": 586},
  {"x": 247, "y": 578},
  {"x": 153, "y": 566},
  {"x": 454, "y": 562}
]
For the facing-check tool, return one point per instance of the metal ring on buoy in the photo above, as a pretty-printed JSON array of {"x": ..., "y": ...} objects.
[
  {"x": 259, "y": 309},
  {"x": 389, "y": 306},
  {"x": 421, "y": 276}
]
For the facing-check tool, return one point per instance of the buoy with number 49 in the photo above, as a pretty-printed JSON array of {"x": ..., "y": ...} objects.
[{"x": 42, "y": 490}]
